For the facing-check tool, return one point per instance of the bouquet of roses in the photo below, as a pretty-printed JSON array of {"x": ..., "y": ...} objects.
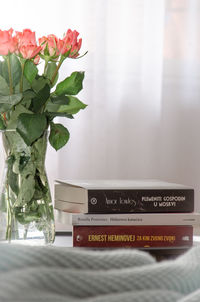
[
  {"x": 28, "y": 106},
  {"x": 27, "y": 94}
]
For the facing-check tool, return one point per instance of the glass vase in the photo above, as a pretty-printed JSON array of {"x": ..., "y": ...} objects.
[{"x": 26, "y": 211}]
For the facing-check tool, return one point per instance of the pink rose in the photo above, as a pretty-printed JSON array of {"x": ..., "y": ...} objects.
[
  {"x": 8, "y": 43},
  {"x": 25, "y": 38},
  {"x": 70, "y": 42},
  {"x": 27, "y": 45},
  {"x": 49, "y": 43},
  {"x": 29, "y": 51}
]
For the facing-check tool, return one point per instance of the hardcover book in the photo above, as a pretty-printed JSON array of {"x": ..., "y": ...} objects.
[
  {"x": 123, "y": 196},
  {"x": 132, "y": 236}
]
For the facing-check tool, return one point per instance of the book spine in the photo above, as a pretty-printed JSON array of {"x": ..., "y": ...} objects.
[
  {"x": 141, "y": 201},
  {"x": 132, "y": 236},
  {"x": 137, "y": 219}
]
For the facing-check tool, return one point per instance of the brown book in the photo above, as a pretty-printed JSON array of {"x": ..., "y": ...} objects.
[{"x": 143, "y": 236}]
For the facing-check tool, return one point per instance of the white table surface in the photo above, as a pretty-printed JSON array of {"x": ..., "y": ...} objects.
[{"x": 64, "y": 241}]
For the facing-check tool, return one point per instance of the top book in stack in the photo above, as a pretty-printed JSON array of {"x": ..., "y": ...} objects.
[{"x": 123, "y": 196}]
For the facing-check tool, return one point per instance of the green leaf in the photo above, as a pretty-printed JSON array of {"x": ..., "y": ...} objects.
[
  {"x": 16, "y": 164},
  {"x": 12, "y": 177},
  {"x": 45, "y": 211},
  {"x": 27, "y": 189},
  {"x": 16, "y": 143},
  {"x": 50, "y": 107},
  {"x": 31, "y": 126},
  {"x": 27, "y": 217},
  {"x": 29, "y": 168},
  {"x": 73, "y": 107},
  {"x": 60, "y": 100},
  {"x": 59, "y": 136},
  {"x": 5, "y": 74},
  {"x": 40, "y": 99},
  {"x": 30, "y": 71},
  {"x": 2, "y": 124},
  {"x": 40, "y": 189},
  {"x": 39, "y": 82},
  {"x": 28, "y": 95},
  {"x": 23, "y": 162},
  {"x": 13, "y": 181},
  {"x": 4, "y": 89},
  {"x": 55, "y": 102},
  {"x": 71, "y": 85},
  {"x": 12, "y": 99},
  {"x": 12, "y": 122},
  {"x": 8, "y": 101},
  {"x": 65, "y": 104},
  {"x": 52, "y": 115},
  {"x": 26, "y": 86},
  {"x": 16, "y": 70},
  {"x": 51, "y": 67}
]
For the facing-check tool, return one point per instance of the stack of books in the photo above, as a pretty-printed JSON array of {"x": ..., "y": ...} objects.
[{"x": 127, "y": 213}]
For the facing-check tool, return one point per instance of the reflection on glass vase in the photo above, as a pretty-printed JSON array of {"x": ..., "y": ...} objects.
[{"x": 26, "y": 211}]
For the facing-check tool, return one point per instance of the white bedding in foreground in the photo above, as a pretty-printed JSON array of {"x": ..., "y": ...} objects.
[{"x": 74, "y": 275}]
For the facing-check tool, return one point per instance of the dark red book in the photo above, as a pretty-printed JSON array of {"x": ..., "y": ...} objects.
[{"x": 133, "y": 236}]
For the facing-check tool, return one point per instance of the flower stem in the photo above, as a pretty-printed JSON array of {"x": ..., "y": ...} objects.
[
  {"x": 9, "y": 74},
  {"x": 9, "y": 217},
  {"x": 56, "y": 71},
  {"x": 22, "y": 77},
  {"x": 45, "y": 66}
]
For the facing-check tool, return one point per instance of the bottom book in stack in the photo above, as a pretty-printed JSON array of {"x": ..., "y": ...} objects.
[
  {"x": 150, "y": 230},
  {"x": 144, "y": 236}
]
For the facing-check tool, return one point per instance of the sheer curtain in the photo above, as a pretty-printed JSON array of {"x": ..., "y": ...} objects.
[
  {"x": 141, "y": 86},
  {"x": 179, "y": 151},
  {"x": 116, "y": 135}
]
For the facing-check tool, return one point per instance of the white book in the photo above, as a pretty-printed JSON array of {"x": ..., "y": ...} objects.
[
  {"x": 130, "y": 219},
  {"x": 113, "y": 184}
]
